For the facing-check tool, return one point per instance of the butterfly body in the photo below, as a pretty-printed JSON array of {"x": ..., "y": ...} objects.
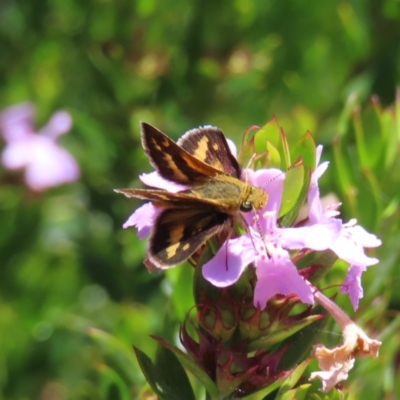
[{"x": 214, "y": 198}]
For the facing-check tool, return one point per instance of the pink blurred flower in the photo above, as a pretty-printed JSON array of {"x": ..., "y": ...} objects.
[
  {"x": 267, "y": 246},
  {"x": 46, "y": 163}
]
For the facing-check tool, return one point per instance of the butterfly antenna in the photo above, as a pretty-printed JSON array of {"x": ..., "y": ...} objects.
[
  {"x": 298, "y": 162},
  {"x": 248, "y": 166}
]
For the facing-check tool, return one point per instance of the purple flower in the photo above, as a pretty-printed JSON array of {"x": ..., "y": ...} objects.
[
  {"x": 143, "y": 218},
  {"x": 46, "y": 163},
  {"x": 267, "y": 246},
  {"x": 349, "y": 245}
]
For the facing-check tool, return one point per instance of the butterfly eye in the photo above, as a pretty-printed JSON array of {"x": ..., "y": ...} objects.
[{"x": 246, "y": 207}]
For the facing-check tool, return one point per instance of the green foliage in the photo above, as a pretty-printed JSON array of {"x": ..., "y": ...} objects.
[{"x": 67, "y": 265}]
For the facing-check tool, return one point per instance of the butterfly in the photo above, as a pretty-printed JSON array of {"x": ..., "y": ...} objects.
[{"x": 213, "y": 201}]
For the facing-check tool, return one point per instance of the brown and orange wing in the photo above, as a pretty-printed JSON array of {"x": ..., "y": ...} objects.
[
  {"x": 172, "y": 161},
  {"x": 178, "y": 233},
  {"x": 209, "y": 145}
]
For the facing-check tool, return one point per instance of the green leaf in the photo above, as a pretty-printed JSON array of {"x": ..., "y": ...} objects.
[
  {"x": 343, "y": 174},
  {"x": 360, "y": 137},
  {"x": 168, "y": 362},
  {"x": 298, "y": 393},
  {"x": 182, "y": 296},
  {"x": 345, "y": 116},
  {"x": 397, "y": 113},
  {"x": 301, "y": 342},
  {"x": 119, "y": 354},
  {"x": 109, "y": 379},
  {"x": 285, "y": 149},
  {"x": 293, "y": 184},
  {"x": 199, "y": 283},
  {"x": 274, "y": 158},
  {"x": 304, "y": 148},
  {"x": 291, "y": 381},
  {"x": 192, "y": 366},
  {"x": 282, "y": 334},
  {"x": 325, "y": 259},
  {"x": 169, "y": 382},
  {"x": 246, "y": 150},
  {"x": 271, "y": 132}
]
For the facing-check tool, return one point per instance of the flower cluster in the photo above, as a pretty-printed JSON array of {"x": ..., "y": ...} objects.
[
  {"x": 273, "y": 249},
  {"x": 267, "y": 246},
  {"x": 46, "y": 163}
]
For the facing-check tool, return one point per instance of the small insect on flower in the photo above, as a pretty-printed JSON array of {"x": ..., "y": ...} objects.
[{"x": 213, "y": 198}]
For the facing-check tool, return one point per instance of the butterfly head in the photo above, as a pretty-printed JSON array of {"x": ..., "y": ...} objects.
[{"x": 256, "y": 200}]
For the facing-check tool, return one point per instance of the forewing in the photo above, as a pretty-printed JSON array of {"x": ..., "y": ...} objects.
[
  {"x": 178, "y": 233},
  {"x": 171, "y": 161},
  {"x": 209, "y": 145},
  {"x": 188, "y": 199}
]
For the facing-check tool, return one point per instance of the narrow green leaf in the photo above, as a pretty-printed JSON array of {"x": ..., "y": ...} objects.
[
  {"x": 151, "y": 373},
  {"x": 397, "y": 113},
  {"x": 199, "y": 283},
  {"x": 290, "y": 217},
  {"x": 115, "y": 351},
  {"x": 293, "y": 185},
  {"x": 292, "y": 380},
  {"x": 110, "y": 381},
  {"x": 300, "y": 344},
  {"x": 298, "y": 393},
  {"x": 345, "y": 116},
  {"x": 247, "y": 150},
  {"x": 375, "y": 201},
  {"x": 271, "y": 132},
  {"x": 285, "y": 149},
  {"x": 182, "y": 296},
  {"x": 176, "y": 376},
  {"x": 274, "y": 158},
  {"x": 279, "y": 336},
  {"x": 390, "y": 140},
  {"x": 360, "y": 137},
  {"x": 304, "y": 148},
  {"x": 162, "y": 378},
  {"x": 325, "y": 259},
  {"x": 343, "y": 175},
  {"x": 192, "y": 366}
]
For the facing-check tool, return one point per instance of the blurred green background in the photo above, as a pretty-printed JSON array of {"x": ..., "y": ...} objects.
[{"x": 67, "y": 264}]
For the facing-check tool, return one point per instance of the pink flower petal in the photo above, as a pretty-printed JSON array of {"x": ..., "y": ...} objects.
[
  {"x": 227, "y": 265},
  {"x": 17, "y": 154},
  {"x": 272, "y": 181},
  {"x": 47, "y": 164},
  {"x": 352, "y": 284},
  {"x": 316, "y": 237},
  {"x": 16, "y": 122},
  {"x": 50, "y": 165},
  {"x": 60, "y": 123},
  {"x": 154, "y": 179},
  {"x": 314, "y": 202},
  {"x": 351, "y": 251},
  {"x": 278, "y": 275},
  {"x": 143, "y": 219}
]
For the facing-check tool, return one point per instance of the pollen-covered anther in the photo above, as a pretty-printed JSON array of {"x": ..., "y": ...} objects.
[{"x": 269, "y": 214}]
